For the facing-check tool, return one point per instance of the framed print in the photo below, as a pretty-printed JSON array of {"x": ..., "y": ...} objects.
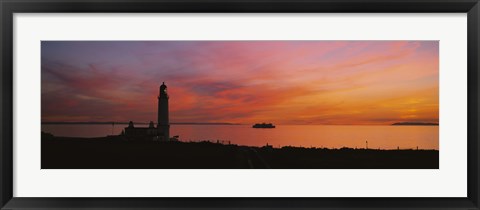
[{"x": 252, "y": 105}]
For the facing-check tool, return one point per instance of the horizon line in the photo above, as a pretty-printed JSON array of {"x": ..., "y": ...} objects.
[{"x": 405, "y": 123}]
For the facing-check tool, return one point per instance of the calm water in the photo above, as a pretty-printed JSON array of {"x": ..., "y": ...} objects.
[{"x": 331, "y": 136}]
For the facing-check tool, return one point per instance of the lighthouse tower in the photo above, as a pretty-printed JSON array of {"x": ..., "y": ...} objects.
[{"x": 163, "y": 124}]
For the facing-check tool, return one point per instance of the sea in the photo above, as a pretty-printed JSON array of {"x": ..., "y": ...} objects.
[{"x": 318, "y": 136}]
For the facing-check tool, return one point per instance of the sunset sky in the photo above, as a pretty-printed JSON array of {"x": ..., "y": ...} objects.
[{"x": 282, "y": 82}]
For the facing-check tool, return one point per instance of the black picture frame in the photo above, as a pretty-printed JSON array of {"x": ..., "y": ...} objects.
[{"x": 9, "y": 7}]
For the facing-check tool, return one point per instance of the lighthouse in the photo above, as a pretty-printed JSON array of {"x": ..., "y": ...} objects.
[{"x": 163, "y": 124}]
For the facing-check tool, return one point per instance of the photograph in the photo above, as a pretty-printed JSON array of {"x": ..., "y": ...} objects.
[{"x": 240, "y": 104}]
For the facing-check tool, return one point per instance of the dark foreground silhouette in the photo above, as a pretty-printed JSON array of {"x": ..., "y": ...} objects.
[{"x": 113, "y": 153}]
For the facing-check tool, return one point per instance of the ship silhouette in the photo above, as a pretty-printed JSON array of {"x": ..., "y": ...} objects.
[{"x": 263, "y": 125}]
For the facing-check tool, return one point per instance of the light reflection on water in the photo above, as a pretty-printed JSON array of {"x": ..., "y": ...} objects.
[{"x": 330, "y": 136}]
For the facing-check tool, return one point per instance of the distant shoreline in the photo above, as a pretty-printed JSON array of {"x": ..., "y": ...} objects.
[
  {"x": 414, "y": 123},
  {"x": 126, "y": 123}
]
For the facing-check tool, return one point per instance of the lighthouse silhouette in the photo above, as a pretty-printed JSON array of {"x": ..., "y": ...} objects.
[{"x": 163, "y": 124}]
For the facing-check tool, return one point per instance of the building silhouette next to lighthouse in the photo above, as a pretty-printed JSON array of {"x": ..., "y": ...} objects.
[{"x": 162, "y": 131}]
